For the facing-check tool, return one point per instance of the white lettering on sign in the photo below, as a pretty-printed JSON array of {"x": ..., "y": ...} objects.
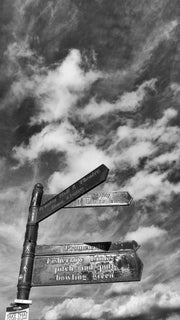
[
  {"x": 98, "y": 267},
  {"x": 114, "y": 266},
  {"x": 70, "y": 248},
  {"x": 55, "y": 260}
]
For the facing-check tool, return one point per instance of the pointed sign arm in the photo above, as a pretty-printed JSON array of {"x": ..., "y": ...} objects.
[
  {"x": 97, "y": 199},
  {"x": 85, "y": 184}
]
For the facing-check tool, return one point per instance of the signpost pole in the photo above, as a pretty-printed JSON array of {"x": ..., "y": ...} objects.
[{"x": 30, "y": 238}]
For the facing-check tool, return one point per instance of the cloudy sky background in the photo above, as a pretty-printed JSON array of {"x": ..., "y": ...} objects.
[{"x": 85, "y": 83}]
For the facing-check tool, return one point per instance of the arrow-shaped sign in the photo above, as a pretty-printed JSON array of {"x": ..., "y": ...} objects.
[
  {"x": 87, "y": 265},
  {"x": 98, "y": 199},
  {"x": 73, "y": 192},
  {"x": 88, "y": 247}
]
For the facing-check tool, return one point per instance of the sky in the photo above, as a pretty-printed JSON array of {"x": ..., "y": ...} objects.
[{"x": 85, "y": 83}]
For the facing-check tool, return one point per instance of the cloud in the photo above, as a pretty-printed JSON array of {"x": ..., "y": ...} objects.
[
  {"x": 128, "y": 102},
  {"x": 161, "y": 300},
  {"x": 145, "y": 184},
  {"x": 151, "y": 131},
  {"x": 145, "y": 234},
  {"x": 131, "y": 101},
  {"x": 157, "y": 142},
  {"x": 144, "y": 140},
  {"x": 129, "y": 146},
  {"x": 122, "y": 289},
  {"x": 52, "y": 137},
  {"x": 59, "y": 90},
  {"x": 175, "y": 87},
  {"x": 78, "y": 165},
  {"x": 144, "y": 51},
  {"x": 173, "y": 317},
  {"x": 17, "y": 50},
  {"x": 56, "y": 88},
  {"x": 157, "y": 300},
  {"x": 63, "y": 138},
  {"x": 12, "y": 232},
  {"x": 161, "y": 32},
  {"x": 78, "y": 307}
]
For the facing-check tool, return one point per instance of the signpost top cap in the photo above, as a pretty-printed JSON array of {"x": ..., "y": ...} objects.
[{"x": 38, "y": 185}]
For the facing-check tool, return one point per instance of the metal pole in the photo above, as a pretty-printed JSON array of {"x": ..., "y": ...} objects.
[{"x": 30, "y": 238}]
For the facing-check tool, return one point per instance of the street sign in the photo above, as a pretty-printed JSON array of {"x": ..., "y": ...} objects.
[
  {"x": 76, "y": 190},
  {"x": 86, "y": 267},
  {"x": 98, "y": 199},
  {"x": 19, "y": 312},
  {"x": 66, "y": 248}
]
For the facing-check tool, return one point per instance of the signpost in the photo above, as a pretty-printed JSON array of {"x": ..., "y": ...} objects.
[
  {"x": 98, "y": 199},
  {"x": 38, "y": 213},
  {"x": 29, "y": 245},
  {"x": 76, "y": 190},
  {"x": 89, "y": 264},
  {"x": 95, "y": 262}
]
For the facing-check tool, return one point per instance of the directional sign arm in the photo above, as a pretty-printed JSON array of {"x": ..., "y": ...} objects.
[
  {"x": 97, "y": 199},
  {"x": 84, "y": 268},
  {"x": 73, "y": 192},
  {"x": 88, "y": 247}
]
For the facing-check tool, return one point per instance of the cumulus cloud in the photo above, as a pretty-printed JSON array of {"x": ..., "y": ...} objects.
[
  {"x": 145, "y": 140},
  {"x": 52, "y": 137},
  {"x": 80, "y": 160},
  {"x": 153, "y": 301},
  {"x": 148, "y": 141},
  {"x": 151, "y": 132},
  {"x": 81, "y": 154},
  {"x": 56, "y": 88},
  {"x": 122, "y": 289},
  {"x": 59, "y": 90},
  {"x": 79, "y": 307},
  {"x": 129, "y": 146},
  {"x": 145, "y": 184},
  {"x": 160, "y": 300},
  {"x": 175, "y": 87},
  {"x": 11, "y": 232},
  {"x": 145, "y": 234},
  {"x": 128, "y": 101},
  {"x": 173, "y": 317}
]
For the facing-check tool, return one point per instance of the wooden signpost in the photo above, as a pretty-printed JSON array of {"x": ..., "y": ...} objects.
[{"x": 62, "y": 264}]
